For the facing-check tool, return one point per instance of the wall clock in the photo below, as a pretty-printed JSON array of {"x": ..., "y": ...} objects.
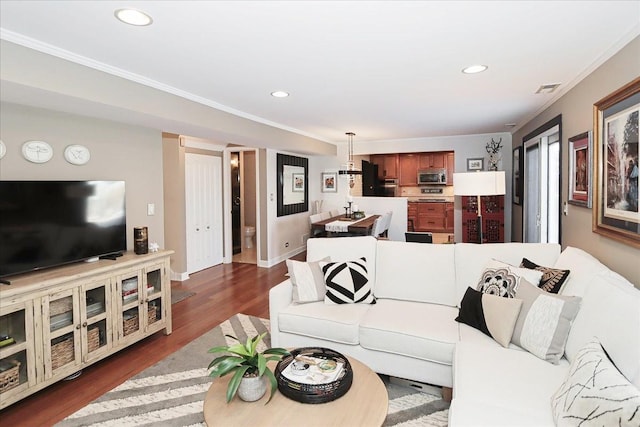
[
  {"x": 77, "y": 154},
  {"x": 3, "y": 149},
  {"x": 37, "y": 151}
]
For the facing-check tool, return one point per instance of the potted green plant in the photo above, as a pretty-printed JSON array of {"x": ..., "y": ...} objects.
[{"x": 248, "y": 367}]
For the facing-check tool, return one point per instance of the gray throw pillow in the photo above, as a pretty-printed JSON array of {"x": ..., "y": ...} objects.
[
  {"x": 307, "y": 280},
  {"x": 544, "y": 322}
]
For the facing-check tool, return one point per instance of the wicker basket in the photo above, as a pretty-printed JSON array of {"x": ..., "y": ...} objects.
[
  {"x": 312, "y": 393},
  {"x": 60, "y": 306},
  {"x": 62, "y": 353},
  {"x": 152, "y": 314},
  {"x": 130, "y": 325},
  {"x": 10, "y": 378},
  {"x": 93, "y": 339}
]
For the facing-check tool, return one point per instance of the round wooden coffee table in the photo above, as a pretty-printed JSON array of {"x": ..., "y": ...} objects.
[{"x": 365, "y": 404}]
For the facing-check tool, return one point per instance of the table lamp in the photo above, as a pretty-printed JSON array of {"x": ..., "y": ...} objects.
[{"x": 480, "y": 183}]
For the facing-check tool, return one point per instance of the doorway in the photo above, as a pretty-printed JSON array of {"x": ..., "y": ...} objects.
[
  {"x": 243, "y": 201},
  {"x": 542, "y": 183}
]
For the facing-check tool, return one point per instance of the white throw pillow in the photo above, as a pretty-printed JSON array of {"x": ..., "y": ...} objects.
[
  {"x": 544, "y": 322},
  {"x": 307, "y": 280},
  {"x": 595, "y": 393},
  {"x": 347, "y": 282},
  {"x": 502, "y": 279}
]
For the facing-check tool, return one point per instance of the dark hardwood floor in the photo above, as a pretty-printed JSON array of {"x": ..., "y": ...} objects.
[{"x": 221, "y": 292}]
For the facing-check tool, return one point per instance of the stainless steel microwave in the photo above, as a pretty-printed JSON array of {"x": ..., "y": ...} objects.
[{"x": 432, "y": 177}]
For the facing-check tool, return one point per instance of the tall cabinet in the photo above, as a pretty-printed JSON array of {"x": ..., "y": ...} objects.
[
  {"x": 59, "y": 320},
  {"x": 492, "y": 219}
]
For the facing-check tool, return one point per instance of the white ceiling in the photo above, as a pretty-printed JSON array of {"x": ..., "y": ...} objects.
[{"x": 385, "y": 70}]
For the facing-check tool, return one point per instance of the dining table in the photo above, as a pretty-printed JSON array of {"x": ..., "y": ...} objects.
[{"x": 335, "y": 226}]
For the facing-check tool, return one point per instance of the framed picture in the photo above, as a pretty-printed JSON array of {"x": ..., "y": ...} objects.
[
  {"x": 615, "y": 129},
  {"x": 329, "y": 182},
  {"x": 475, "y": 164},
  {"x": 516, "y": 186},
  {"x": 580, "y": 161},
  {"x": 298, "y": 182}
]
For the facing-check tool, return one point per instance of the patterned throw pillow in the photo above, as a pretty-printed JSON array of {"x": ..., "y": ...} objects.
[
  {"x": 595, "y": 393},
  {"x": 347, "y": 282},
  {"x": 307, "y": 280},
  {"x": 544, "y": 322},
  {"x": 492, "y": 315},
  {"x": 552, "y": 278},
  {"x": 502, "y": 279}
]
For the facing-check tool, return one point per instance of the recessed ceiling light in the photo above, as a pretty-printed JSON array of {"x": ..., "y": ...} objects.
[
  {"x": 280, "y": 94},
  {"x": 548, "y": 88},
  {"x": 133, "y": 17},
  {"x": 474, "y": 69},
  {"x": 510, "y": 125}
]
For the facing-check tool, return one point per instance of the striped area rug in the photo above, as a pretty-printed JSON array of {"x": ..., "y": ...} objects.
[{"x": 171, "y": 392}]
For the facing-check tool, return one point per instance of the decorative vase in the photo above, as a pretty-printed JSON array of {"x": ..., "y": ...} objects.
[{"x": 252, "y": 388}]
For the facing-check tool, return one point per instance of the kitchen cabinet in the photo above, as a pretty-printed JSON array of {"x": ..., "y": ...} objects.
[
  {"x": 492, "y": 219},
  {"x": 412, "y": 216},
  {"x": 408, "y": 174},
  {"x": 433, "y": 160},
  {"x": 451, "y": 167},
  {"x": 63, "y": 319},
  {"x": 387, "y": 165},
  {"x": 434, "y": 217}
]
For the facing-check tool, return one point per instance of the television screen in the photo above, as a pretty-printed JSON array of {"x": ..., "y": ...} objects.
[{"x": 49, "y": 223}]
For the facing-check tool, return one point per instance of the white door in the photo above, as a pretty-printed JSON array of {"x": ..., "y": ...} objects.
[
  {"x": 541, "y": 223},
  {"x": 203, "y": 181}
]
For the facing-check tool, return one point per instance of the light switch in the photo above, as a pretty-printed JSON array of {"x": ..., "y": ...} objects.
[{"x": 151, "y": 209}]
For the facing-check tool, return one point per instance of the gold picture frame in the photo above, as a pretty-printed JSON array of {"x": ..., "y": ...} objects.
[{"x": 615, "y": 131}]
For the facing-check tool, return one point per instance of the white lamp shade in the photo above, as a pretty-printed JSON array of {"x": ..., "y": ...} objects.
[{"x": 491, "y": 183}]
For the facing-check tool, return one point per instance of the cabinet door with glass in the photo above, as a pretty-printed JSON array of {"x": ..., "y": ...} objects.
[
  {"x": 130, "y": 303},
  {"x": 17, "y": 352},
  {"x": 61, "y": 327},
  {"x": 154, "y": 292},
  {"x": 96, "y": 317}
]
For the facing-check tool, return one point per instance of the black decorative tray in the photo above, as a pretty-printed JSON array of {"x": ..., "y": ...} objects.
[{"x": 305, "y": 391}]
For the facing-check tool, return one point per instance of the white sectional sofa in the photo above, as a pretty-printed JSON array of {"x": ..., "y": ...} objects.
[{"x": 411, "y": 331}]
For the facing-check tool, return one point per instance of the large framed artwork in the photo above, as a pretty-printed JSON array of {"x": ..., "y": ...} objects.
[
  {"x": 580, "y": 161},
  {"x": 615, "y": 117},
  {"x": 516, "y": 185}
]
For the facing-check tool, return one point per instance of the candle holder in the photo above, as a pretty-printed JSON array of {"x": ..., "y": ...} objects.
[{"x": 347, "y": 210}]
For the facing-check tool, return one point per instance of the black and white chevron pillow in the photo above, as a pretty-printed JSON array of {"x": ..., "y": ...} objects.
[
  {"x": 347, "y": 282},
  {"x": 595, "y": 393}
]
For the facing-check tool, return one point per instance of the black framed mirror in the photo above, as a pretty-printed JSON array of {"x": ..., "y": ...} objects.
[{"x": 293, "y": 184}]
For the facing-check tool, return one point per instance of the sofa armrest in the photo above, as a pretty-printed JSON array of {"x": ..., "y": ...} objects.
[{"x": 280, "y": 297}]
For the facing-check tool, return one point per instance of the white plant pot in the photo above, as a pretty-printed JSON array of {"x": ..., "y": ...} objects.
[{"x": 252, "y": 388}]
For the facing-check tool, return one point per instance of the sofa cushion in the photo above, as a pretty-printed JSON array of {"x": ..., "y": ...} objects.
[
  {"x": 502, "y": 279},
  {"x": 583, "y": 268},
  {"x": 552, "y": 278},
  {"x": 471, "y": 259},
  {"x": 319, "y": 320},
  {"x": 544, "y": 322},
  {"x": 595, "y": 393},
  {"x": 415, "y": 272},
  {"x": 484, "y": 411},
  {"x": 307, "y": 280},
  {"x": 492, "y": 315},
  {"x": 513, "y": 378},
  {"x": 414, "y": 329},
  {"x": 347, "y": 282},
  {"x": 609, "y": 311}
]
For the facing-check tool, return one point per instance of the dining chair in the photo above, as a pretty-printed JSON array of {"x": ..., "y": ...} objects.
[
  {"x": 336, "y": 212},
  {"x": 387, "y": 223},
  {"x": 325, "y": 215},
  {"x": 378, "y": 227},
  {"x": 315, "y": 218},
  {"x": 418, "y": 237}
]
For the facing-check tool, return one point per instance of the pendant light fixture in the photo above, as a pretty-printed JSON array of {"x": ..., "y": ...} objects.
[{"x": 350, "y": 169}]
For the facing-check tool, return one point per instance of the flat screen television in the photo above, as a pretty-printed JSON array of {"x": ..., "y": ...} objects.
[{"x": 49, "y": 223}]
